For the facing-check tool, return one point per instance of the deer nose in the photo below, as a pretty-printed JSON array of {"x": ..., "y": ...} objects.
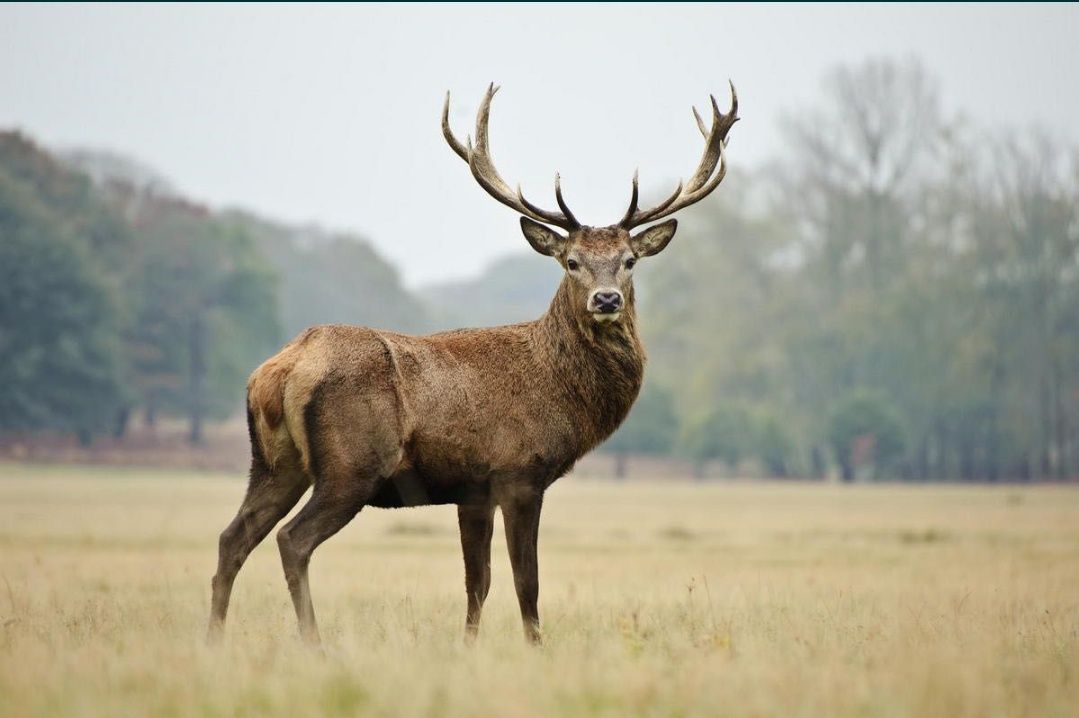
[{"x": 607, "y": 302}]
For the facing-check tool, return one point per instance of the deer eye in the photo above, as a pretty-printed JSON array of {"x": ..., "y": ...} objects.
[
  {"x": 630, "y": 261},
  {"x": 572, "y": 265}
]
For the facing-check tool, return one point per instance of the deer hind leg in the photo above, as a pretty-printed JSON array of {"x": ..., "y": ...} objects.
[
  {"x": 269, "y": 497},
  {"x": 477, "y": 525},
  {"x": 521, "y": 515},
  {"x": 328, "y": 511},
  {"x": 353, "y": 442}
]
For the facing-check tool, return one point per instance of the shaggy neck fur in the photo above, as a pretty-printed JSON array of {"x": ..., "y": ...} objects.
[{"x": 599, "y": 365}]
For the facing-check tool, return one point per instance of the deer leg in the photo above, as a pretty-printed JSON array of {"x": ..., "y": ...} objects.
[
  {"x": 269, "y": 497},
  {"x": 330, "y": 508},
  {"x": 477, "y": 525},
  {"x": 521, "y": 515}
]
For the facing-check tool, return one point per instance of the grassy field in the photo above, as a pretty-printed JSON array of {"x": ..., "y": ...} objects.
[{"x": 725, "y": 599}]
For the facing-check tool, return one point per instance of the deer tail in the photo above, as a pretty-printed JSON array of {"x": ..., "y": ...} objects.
[{"x": 270, "y": 438}]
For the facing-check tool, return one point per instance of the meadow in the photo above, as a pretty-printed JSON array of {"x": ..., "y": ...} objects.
[{"x": 657, "y": 598}]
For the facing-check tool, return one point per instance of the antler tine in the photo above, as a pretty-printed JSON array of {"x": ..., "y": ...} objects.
[
  {"x": 632, "y": 209},
  {"x": 700, "y": 123},
  {"x": 637, "y": 217},
  {"x": 561, "y": 202},
  {"x": 479, "y": 161},
  {"x": 454, "y": 143},
  {"x": 705, "y": 178},
  {"x": 479, "y": 156},
  {"x": 540, "y": 214},
  {"x": 658, "y": 211},
  {"x": 710, "y": 157}
]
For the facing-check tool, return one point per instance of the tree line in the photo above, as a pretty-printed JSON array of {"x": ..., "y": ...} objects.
[
  {"x": 121, "y": 299},
  {"x": 895, "y": 295}
]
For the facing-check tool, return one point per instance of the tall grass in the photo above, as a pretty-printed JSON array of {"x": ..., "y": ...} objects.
[{"x": 657, "y": 599}]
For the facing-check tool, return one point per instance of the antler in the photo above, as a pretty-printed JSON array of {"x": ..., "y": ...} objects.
[
  {"x": 703, "y": 181},
  {"x": 483, "y": 169}
]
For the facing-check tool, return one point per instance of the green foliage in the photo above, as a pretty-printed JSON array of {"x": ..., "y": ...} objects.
[
  {"x": 118, "y": 296},
  {"x": 865, "y": 432},
  {"x": 885, "y": 251},
  {"x": 651, "y": 426},
  {"x": 206, "y": 310},
  {"x": 732, "y": 433},
  {"x": 773, "y": 445},
  {"x": 725, "y": 433},
  {"x": 60, "y": 358}
]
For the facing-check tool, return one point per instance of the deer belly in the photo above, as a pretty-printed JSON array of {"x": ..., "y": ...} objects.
[{"x": 412, "y": 488}]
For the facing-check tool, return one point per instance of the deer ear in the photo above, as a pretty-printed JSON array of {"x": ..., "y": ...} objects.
[
  {"x": 654, "y": 239},
  {"x": 542, "y": 238}
]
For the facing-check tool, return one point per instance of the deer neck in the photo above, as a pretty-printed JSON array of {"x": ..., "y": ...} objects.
[{"x": 598, "y": 365}]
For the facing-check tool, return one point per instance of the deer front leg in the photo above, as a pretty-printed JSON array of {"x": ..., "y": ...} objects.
[
  {"x": 521, "y": 514},
  {"x": 477, "y": 525}
]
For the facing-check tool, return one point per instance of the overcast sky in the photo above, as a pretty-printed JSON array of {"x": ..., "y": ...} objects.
[{"x": 331, "y": 114}]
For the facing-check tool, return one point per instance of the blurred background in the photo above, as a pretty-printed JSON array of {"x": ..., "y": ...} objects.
[{"x": 886, "y": 286}]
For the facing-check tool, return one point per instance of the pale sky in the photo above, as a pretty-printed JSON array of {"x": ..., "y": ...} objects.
[{"x": 330, "y": 114}]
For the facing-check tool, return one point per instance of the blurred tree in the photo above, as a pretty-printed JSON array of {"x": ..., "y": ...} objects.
[
  {"x": 877, "y": 181},
  {"x": 725, "y": 433},
  {"x": 852, "y": 165},
  {"x": 1027, "y": 261},
  {"x": 715, "y": 306},
  {"x": 209, "y": 293},
  {"x": 328, "y": 278},
  {"x": 865, "y": 434},
  {"x": 650, "y": 428},
  {"x": 891, "y": 251},
  {"x": 773, "y": 445},
  {"x": 60, "y": 358},
  {"x": 206, "y": 310},
  {"x": 176, "y": 304}
]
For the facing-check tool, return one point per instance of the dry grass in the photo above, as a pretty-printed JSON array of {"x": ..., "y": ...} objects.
[{"x": 732, "y": 599}]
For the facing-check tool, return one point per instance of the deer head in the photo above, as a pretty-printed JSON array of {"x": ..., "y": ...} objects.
[{"x": 598, "y": 260}]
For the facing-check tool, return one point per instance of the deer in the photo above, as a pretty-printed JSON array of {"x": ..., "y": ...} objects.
[{"x": 482, "y": 418}]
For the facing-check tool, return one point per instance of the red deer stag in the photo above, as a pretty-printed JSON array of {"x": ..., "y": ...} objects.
[{"x": 481, "y": 418}]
